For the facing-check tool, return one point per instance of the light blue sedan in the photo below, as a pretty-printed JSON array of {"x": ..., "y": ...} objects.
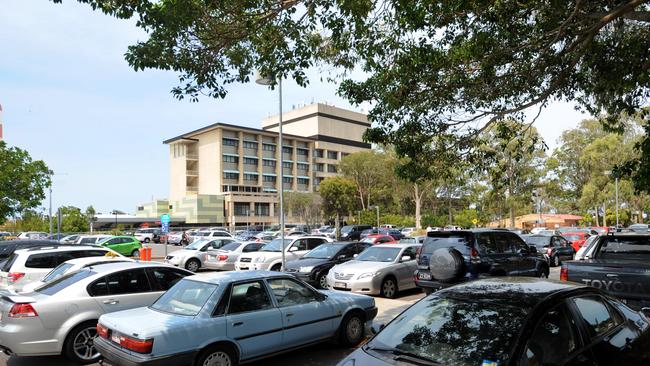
[{"x": 228, "y": 318}]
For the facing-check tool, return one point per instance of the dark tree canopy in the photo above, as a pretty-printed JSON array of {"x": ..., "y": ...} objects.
[{"x": 437, "y": 73}]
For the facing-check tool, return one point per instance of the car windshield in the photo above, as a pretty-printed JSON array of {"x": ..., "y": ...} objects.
[
  {"x": 202, "y": 233},
  {"x": 197, "y": 245},
  {"x": 64, "y": 281},
  {"x": 368, "y": 240},
  {"x": 538, "y": 241},
  {"x": 448, "y": 331},
  {"x": 275, "y": 245},
  {"x": 102, "y": 240},
  {"x": 408, "y": 240},
  {"x": 88, "y": 240},
  {"x": 324, "y": 251},
  {"x": 346, "y": 229},
  {"x": 379, "y": 254},
  {"x": 57, "y": 272},
  {"x": 231, "y": 246},
  {"x": 572, "y": 237},
  {"x": 187, "y": 297}
]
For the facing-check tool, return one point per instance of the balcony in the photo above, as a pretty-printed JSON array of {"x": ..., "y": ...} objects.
[
  {"x": 192, "y": 172},
  {"x": 192, "y": 156},
  {"x": 192, "y": 189}
]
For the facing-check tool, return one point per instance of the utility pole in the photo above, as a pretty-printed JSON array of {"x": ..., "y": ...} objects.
[{"x": 50, "y": 208}]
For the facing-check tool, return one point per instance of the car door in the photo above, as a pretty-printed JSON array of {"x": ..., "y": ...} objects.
[
  {"x": 405, "y": 269},
  {"x": 252, "y": 320},
  {"x": 297, "y": 249},
  {"x": 162, "y": 279},
  {"x": 123, "y": 290},
  {"x": 521, "y": 261},
  {"x": 492, "y": 248},
  {"x": 565, "y": 249},
  {"x": 114, "y": 244},
  {"x": 305, "y": 318}
]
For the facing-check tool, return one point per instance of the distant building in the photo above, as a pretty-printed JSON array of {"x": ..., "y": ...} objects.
[
  {"x": 529, "y": 221},
  {"x": 230, "y": 175}
]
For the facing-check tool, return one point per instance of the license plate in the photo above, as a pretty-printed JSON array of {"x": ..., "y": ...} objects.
[
  {"x": 340, "y": 284},
  {"x": 211, "y": 257},
  {"x": 115, "y": 337},
  {"x": 424, "y": 276},
  {"x": 243, "y": 268}
]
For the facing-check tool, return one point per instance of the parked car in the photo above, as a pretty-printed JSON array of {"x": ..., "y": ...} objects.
[
  {"x": 69, "y": 239},
  {"x": 407, "y": 231},
  {"x": 413, "y": 240},
  {"x": 193, "y": 256},
  {"x": 224, "y": 258},
  {"x": 127, "y": 246},
  {"x": 511, "y": 321},
  {"x": 229, "y": 318},
  {"x": 146, "y": 235},
  {"x": 31, "y": 264},
  {"x": 383, "y": 269},
  {"x": 32, "y": 235},
  {"x": 175, "y": 237},
  {"x": 61, "y": 316},
  {"x": 74, "y": 265},
  {"x": 450, "y": 257},
  {"x": 586, "y": 251},
  {"x": 639, "y": 228},
  {"x": 8, "y": 247},
  {"x": 91, "y": 239},
  {"x": 56, "y": 237},
  {"x": 353, "y": 232},
  {"x": 396, "y": 234},
  {"x": 365, "y": 233},
  {"x": 295, "y": 234},
  {"x": 554, "y": 248},
  {"x": 600, "y": 230},
  {"x": 314, "y": 266},
  {"x": 379, "y": 239},
  {"x": 270, "y": 256},
  {"x": 618, "y": 264},
  {"x": 577, "y": 238}
]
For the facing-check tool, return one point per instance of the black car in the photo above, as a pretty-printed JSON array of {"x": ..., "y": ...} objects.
[
  {"x": 353, "y": 232},
  {"x": 8, "y": 247},
  {"x": 554, "y": 248},
  {"x": 512, "y": 321},
  {"x": 449, "y": 257},
  {"x": 396, "y": 234},
  {"x": 314, "y": 266}
]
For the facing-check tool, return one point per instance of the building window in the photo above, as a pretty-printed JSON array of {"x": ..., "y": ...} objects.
[
  {"x": 302, "y": 166},
  {"x": 227, "y": 175},
  {"x": 286, "y": 164},
  {"x": 262, "y": 209},
  {"x": 230, "y": 159},
  {"x": 140, "y": 208},
  {"x": 303, "y": 181},
  {"x": 269, "y": 179},
  {"x": 332, "y": 154},
  {"x": 268, "y": 147},
  {"x": 344, "y": 155},
  {"x": 268, "y": 163},
  {"x": 230, "y": 142},
  {"x": 302, "y": 152},
  {"x": 287, "y": 180},
  {"x": 250, "y": 161},
  {"x": 287, "y": 149},
  {"x": 250, "y": 145},
  {"x": 242, "y": 208},
  {"x": 318, "y": 153},
  {"x": 319, "y": 167},
  {"x": 331, "y": 168},
  {"x": 250, "y": 177}
]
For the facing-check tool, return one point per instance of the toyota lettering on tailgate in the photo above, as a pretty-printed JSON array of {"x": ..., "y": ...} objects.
[{"x": 613, "y": 285}]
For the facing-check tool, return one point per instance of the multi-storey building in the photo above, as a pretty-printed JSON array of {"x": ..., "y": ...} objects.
[{"x": 230, "y": 175}]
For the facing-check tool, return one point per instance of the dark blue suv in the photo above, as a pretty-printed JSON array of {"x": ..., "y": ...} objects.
[{"x": 450, "y": 257}]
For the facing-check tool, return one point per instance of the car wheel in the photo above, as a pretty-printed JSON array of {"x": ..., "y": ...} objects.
[
  {"x": 135, "y": 254},
  {"x": 556, "y": 261},
  {"x": 351, "y": 331},
  {"x": 218, "y": 356},
  {"x": 321, "y": 280},
  {"x": 192, "y": 265},
  {"x": 80, "y": 344},
  {"x": 389, "y": 288},
  {"x": 276, "y": 267},
  {"x": 147, "y": 240},
  {"x": 542, "y": 273},
  {"x": 428, "y": 291}
]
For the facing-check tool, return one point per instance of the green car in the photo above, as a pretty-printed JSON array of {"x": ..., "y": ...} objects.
[{"x": 128, "y": 246}]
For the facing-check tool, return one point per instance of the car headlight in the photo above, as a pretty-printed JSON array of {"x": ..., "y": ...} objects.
[
  {"x": 259, "y": 259},
  {"x": 368, "y": 275},
  {"x": 306, "y": 269}
]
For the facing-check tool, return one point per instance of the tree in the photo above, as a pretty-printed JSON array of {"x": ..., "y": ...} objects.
[
  {"x": 73, "y": 220},
  {"x": 90, "y": 216},
  {"x": 302, "y": 204},
  {"x": 443, "y": 69},
  {"x": 366, "y": 169},
  {"x": 338, "y": 196},
  {"x": 22, "y": 181}
]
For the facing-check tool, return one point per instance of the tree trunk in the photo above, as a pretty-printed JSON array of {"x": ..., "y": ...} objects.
[
  {"x": 418, "y": 203},
  {"x": 363, "y": 205},
  {"x": 449, "y": 206},
  {"x": 604, "y": 215},
  {"x": 337, "y": 231},
  {"x": 596, "y": 215}
]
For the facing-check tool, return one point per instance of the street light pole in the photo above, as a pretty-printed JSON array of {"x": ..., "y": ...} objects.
[
  {"x": 51, "y": 209},
  {"x": 377, "y": 207}
]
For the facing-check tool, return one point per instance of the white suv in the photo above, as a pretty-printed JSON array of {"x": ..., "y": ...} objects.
[
  {"x": 270, "y": 255},
  {"x": 27, "y": 265},
  {"x": 146, "y": 235}
]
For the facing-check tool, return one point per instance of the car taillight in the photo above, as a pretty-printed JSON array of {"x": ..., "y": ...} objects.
[
  {"x": 102, "y": 331},
  {"x": 474, "y": 253},
  {"x": 15, "y": 276},
  {"x": 222, "y": 257},
  {"x": 136, "y": 345},
  {"x": 22, "y": 311},
  {"x": 564, "y": 273}
]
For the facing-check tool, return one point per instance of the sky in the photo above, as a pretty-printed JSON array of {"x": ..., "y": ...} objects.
[{"x": 70, "y": 99}]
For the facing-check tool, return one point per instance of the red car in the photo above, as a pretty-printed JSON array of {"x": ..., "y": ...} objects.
[
  {"x": 577, "y": 238},
  {"x": 601, "y": 230},
  {"x": 379, "y": 239}
]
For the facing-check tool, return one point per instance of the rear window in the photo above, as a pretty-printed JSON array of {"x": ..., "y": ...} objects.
[
  {"x": 6, "y": 250},
  {"x": 231, "y": 246},
  {"x": 63, "y": 282},
  {"x": 9, "y": 262},
  {"x": 445, "y": 240},
  {"x": 539, "y": 241},
  {"x": 623, "y": 247}
]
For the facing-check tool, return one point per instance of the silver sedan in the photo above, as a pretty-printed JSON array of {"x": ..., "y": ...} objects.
[
  {"x": 224, "y": 258},
  {"x": 61, "y": 316},
  {"x": 383, "y": 269}
]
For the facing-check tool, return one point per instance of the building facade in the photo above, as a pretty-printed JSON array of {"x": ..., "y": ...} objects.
[{"x": 230, "y": 175}]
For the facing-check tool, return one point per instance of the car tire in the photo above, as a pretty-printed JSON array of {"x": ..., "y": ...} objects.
[
  {"x": 389, "y": 287},
  {"x": 447, "y": 265},
  {"x": 192, "y": 265},
  {"x": 79, "y": 344},
  {"x": 542, "y": 272},
  {"x": 147, "y": 240},
  {"x": 556, "y": 261},
  {"x": 352, "y": 329},
  {"x": 218, "y": 354},
  {"x": 276, "y": 267},
  {"x": 321, "y": 280},
  {"x": 428, "y": 291},
  {"x": 135, "y": 254}
]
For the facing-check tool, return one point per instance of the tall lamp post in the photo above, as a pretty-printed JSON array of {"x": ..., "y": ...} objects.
[
  {"x": 265, "y": 80},
  {"x": 610, "y": 173}
]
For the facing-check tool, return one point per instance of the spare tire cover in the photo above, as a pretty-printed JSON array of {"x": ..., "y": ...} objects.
[{"x": 446, "y": 265}]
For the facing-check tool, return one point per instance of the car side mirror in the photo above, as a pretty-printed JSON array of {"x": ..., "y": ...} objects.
[
  {"x": 376, "y": 328},
  {"x": 321, "y": 296},
  {"x": 342, "y": 257},
  {"x": 405, "y": 258},
  {"x": 355, "y": 255},
  {"x": 293, "y": 249}
]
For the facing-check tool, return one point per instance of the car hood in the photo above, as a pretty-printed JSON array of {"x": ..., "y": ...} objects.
[
  {"x": 361, "y": 358},
  {"x": 347, "y": 298},
  {"x": 306, "y": 262},
  {"x": 143, "y": 322},
  {"x": 360, "y": 266},
  {"x": 267, "y": 255},
  {"x": 183, "y": 253}
]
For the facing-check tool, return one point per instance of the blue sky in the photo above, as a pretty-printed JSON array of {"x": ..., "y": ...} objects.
[{"x": 70, "y": 98}]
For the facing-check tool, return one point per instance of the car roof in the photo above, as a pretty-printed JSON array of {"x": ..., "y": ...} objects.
[
  {"x": 30, "y": 242},
  {"x": 398, "y": 245},
  {"x": 58, "y": 248},
  {"x": 107, "y": 267},
  {"x": 527, "y": 291},
  {"x": 230, "y": 276},
  {"x": 89, "y": 260}
]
